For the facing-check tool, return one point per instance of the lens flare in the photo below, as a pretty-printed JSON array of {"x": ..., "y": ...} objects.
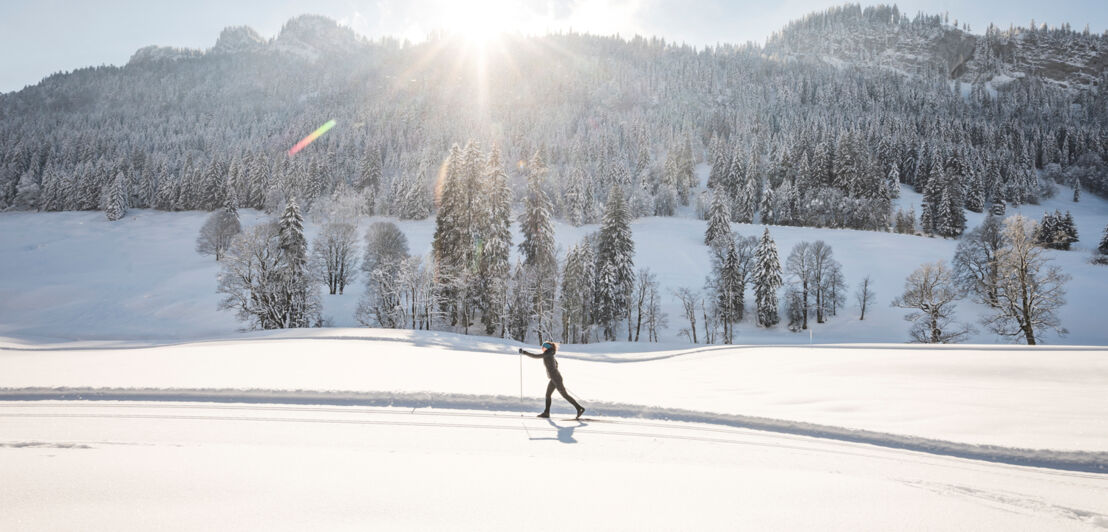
[{"x": 315, "y": 135}]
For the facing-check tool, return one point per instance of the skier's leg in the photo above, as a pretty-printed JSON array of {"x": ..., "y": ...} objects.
[
  {"x": 562, "y": 390},
  {"x": 549, "y": 395}
]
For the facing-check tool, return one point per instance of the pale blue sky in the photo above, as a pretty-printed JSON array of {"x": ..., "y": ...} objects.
[{"x": 41, "y": 37}]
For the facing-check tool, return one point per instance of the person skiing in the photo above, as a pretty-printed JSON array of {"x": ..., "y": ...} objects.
[{"x": 547, "y": 356}]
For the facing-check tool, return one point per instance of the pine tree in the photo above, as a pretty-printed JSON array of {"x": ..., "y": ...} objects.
[
  {"x": 746, "y": 206},
  {"x": 614, "y": 263},
  {"x": 450, "y": 243},
  {"x": 719, "y": 220},
  {"x": 537, "y": 246},
  {"x": 767, "y": 279},
  {"x": 1101, "y": 256},
  {"x": 116, "y": 201},
  {"x": 730, "y": 283},
  {"x": 578, "y": 283},
  {"x": 494, "y": 269},
  {"x": 300, "y": 296},
  {"x": 767, "y": 205}
]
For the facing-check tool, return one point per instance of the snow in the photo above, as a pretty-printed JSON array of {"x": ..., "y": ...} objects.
[
  {"x": 128, "y": 401},
  {"x": 76, "y": 276},
  {"x": 199, "y": 466},
  {"x": 429, "y": 432},
  {"x": 1012, "y": 397},
  {"x": 149, "y": 466}
]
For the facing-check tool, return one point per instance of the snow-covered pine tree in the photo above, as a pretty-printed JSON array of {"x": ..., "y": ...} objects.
[
  {"x": 536, "y": 223},
  {"x": 27, "y": 193},
  {"x": 494, "y": 270},
  {"x": 300, "y": 295},
  {"x": 212, "y": 193},
  {"x": 578, "y": 283},
  {"x": 975, "y": 193},
  {"x": 768, "y": 216},
  {"x": 614, "y": 263},
  {"x": 1100, "y": 256},
  {"x": 719, "y": 220},
  {"x": 729, "y": 285},
  {"x": 746, "y": 205},
  {"x": 767, "y": 279},
  {"x": 538, "y": 246},
  {"x": 450, "y": 240},
  {"x": 1069, "y": 231},
  {"x": 577, "y": 201},
  {"x": 115, "y": 207}
]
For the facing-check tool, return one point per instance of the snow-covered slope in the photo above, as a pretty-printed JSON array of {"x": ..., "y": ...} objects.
[
  {"x": 120, "y": 466},
  {"x": 882, "y": 36},
  {"x": 429, "y": 431},
  {"x": 1044, "y": 398},
  {"x": 77, "y": 276}
]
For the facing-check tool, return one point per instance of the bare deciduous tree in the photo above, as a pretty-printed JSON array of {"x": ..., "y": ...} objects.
[
  {"x": 217, "y": 232},
  {"x": 1028, "y": 291},
  {"x": 865, "y": 295},
  {"x": 689, "y": 301},
  {"x": 646, "y": 284},
  {"x": 930, "y": 292},
  {"x": 799, "y": 266},
  {"x": 333, "y": 255},
  {"x": 975, "y": 264}
]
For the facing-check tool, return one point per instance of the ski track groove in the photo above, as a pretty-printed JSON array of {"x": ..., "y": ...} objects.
[
  {"x": 553, "y": 428},
  {"x": 1075, "y": 461}
]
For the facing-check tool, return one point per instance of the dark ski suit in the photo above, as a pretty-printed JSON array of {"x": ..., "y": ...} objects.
[{"x": 555, "y": 376}]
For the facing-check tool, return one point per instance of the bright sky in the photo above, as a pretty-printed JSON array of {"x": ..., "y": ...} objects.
[{"x": 46, "y": 36}]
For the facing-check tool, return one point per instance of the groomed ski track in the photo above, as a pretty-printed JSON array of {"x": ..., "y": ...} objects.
[{"x": 617, "y": 418}]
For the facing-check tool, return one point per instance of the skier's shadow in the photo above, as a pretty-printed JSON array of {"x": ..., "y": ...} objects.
[{"x": 565, "y": 433}]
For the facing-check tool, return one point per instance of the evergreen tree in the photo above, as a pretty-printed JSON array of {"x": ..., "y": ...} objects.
[
  {"x": 537, "y": 246},
  {"x": 719, "y": 221},
  {"x": 451, "y": 240},
  {"x": 767, "y": 279},
  {"x": 1101, "y": 255},
  {"x": 614, "y": 263},
  {"x": 494, "y": 269},
  {"x": 578, "y": 283},
  {"x": 729, "y": 284},
  {"x": 301, "y": 297},
  {"x": 768, "y": 215},
  {"x": 116, "y": 201}
]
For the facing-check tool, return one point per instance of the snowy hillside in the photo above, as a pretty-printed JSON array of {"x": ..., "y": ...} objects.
[
  {"x": 412, "y": 430},
  {"x": 77, "y": 276},
  {"x": 882, "y": 36}
]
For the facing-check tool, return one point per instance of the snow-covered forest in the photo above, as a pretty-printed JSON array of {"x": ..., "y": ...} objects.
[
  {"x": 793, "y": 137},
  {"x": 583, "y": 130}
]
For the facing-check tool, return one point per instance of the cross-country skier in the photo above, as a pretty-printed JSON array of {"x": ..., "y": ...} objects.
[{"x": 547, "y": 356}]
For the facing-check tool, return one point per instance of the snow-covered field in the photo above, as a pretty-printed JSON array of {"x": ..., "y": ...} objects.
[
  {"x": 76, "y": 276},
  {"x": 128, "y": 401},
  {"x": 151, "y": 466},
  {"x": 388, "y": 429}
]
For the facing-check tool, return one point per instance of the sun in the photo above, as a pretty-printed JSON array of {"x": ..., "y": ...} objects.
[{"x": 482, "y": 22}]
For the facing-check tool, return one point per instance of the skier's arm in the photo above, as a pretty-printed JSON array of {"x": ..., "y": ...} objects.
[{"x": 532, "y": 355}]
